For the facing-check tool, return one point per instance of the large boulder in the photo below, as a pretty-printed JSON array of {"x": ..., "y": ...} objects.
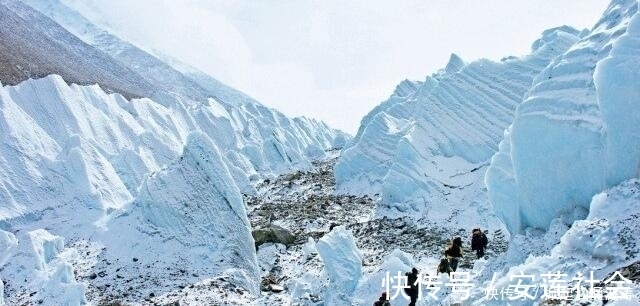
[{"x": 273, "y": 233}]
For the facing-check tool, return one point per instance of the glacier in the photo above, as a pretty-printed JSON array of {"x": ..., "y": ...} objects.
[
  {"x": 431, "y": 142},
  {"x": 106, "y": 196},
  {"x": 531, "y": 145},
  {"x": 580, "y": 113}
]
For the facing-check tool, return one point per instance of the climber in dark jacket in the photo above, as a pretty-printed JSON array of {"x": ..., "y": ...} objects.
[
  {"x": 479, "y": 242},
  {"x": 413, "y": 291},
  {"x": 454, "y": 253}
]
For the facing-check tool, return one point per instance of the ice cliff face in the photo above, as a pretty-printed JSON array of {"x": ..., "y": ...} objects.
[
  {"x": 117, "y": 173},
  {"x": 431, "y": 141},
  {"x": 569, "y": 109},
  {"x": 603, "y": 243},
  {"x": 575, "y": 133}
]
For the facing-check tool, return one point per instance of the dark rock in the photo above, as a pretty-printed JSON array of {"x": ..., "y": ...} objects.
[{"x": 273, "y": 233}]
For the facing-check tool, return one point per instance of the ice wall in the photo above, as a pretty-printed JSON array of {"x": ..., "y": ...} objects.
[
  {"x": 573, "y": 135},
  {"x": 601, "y": 243},
  {"x": 84, "y": 143},
  {"x": 616, "y": 80},
  {"x": 253, "y": 138},
  {"x": 429, "y": 144},
  {"x": 123, "y": 178}
]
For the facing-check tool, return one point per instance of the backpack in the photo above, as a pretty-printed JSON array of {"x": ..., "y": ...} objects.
[
  {"x": 483, "y": 240},
  {"x": 444, "y": 267}
]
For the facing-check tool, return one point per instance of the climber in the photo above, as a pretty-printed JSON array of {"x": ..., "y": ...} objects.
[
  {"x": 382, "y": 301},
  {"x": 413, "y": 290},
  {"x": 479, "y": 242},
  {"x": 454, "y": 253}
]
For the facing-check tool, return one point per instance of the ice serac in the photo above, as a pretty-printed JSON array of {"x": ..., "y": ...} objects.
[
  {"x": 89, "y": 156},
  {"x": 253, "y": 138},
  {"x": 39, "y": 268},
  {"x": 192, "y": 204},
  {"x": 455, "y": 64},
  {"x": 58, "y": 283},
  {"x": 74, "y": 157},
  {"x": 342, "y": 263},
  {"x": 573, "y": 135},
  {"x": 431, "y": 141},
  {"x": 616, "y": 80}
]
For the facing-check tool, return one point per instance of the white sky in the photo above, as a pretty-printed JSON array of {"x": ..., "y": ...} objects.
[{"x": 333, "y": 60}]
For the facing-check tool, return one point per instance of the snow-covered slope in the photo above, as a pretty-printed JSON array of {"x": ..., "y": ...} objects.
[
  {"x": 576, "y": 131},
  {"x": 430, "y": 143}
]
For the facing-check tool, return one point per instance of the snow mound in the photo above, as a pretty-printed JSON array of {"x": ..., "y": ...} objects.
[
  {"x": 342, "y": 263},
  {"x": 573, "y": 117}
]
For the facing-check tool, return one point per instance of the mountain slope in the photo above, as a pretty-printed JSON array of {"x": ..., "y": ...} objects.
[{"x": 32, "y": 46}]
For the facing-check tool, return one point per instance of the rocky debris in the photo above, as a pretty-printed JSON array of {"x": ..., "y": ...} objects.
[
  {"x": 630, "y": 272},
  {"x": 274, "y": 234},
  {"x": 305, "y": 202},
  {"x": 111, "y": 303}
]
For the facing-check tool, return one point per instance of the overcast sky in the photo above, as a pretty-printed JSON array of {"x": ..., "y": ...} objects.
[{"x": 333, "y": 60}]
